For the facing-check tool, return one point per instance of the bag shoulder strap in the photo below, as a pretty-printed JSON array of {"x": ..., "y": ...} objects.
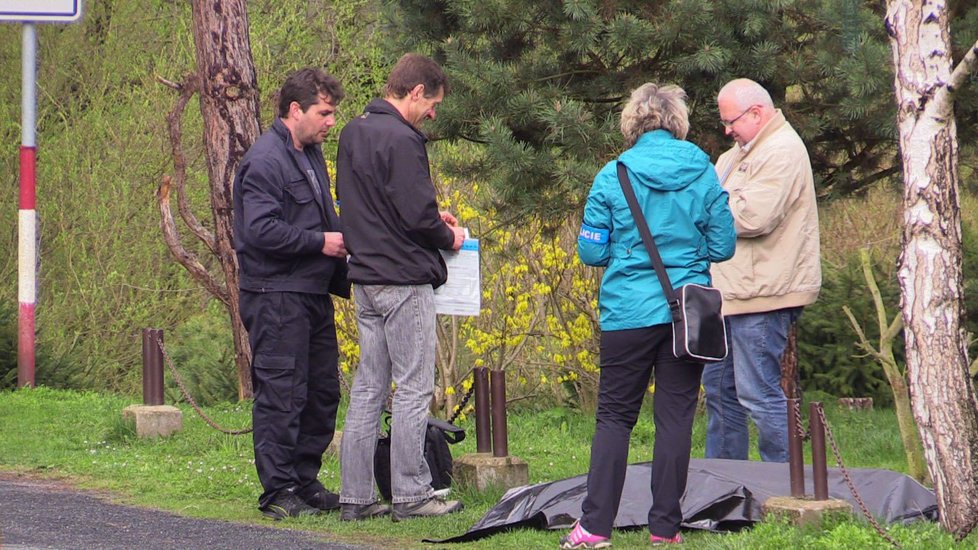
[
  {"x": 453, "y": 434},
  {"x": 643, "y": 229}
]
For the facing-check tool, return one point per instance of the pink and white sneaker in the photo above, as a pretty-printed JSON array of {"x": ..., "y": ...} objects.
[
  {"x": 659, "y": 541},
  {"x": 579, "y": 539}
]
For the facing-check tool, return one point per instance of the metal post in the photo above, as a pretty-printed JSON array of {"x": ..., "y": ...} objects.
[
  {"x": 483, "y": 434},
  {"x": 152, "y": 366},
  {"x": 27, "y": 213},
  {"x": 497, "y": 387},
  {"x": 820, "y": 472},
  {"x": 796, "y": 457}
]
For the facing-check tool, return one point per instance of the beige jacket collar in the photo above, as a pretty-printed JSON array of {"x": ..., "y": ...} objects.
[{"x": 772, "y": 126}]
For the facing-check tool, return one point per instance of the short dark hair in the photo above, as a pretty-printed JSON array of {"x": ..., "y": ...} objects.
[
  {"x": 305, "y": 86},
  {"x": 413, "y": 69}
]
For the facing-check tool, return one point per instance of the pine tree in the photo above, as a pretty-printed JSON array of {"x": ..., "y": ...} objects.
[{"x": 540, "y": 85}]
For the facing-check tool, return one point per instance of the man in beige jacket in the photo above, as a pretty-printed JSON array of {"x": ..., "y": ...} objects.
[{"x": 774, "y": 273}]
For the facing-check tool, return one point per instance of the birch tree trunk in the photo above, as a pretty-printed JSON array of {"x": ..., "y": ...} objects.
[{"x": 941, "y": 390}]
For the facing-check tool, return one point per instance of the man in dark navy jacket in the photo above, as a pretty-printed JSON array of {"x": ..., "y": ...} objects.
[
  {"x": 394, "y": 232},
  {"x": 291, "y": 257}
]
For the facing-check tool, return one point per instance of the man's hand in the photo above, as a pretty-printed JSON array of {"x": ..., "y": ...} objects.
[
  {"x": 333, "y": 244},
  {"x": 448, "y": 218},
  {"x": 459, "y": 236}
]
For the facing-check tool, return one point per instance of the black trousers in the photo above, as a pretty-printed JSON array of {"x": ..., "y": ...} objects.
[
  {"x": 628, "y": 360},
  {"x": 296, "y": 387}
]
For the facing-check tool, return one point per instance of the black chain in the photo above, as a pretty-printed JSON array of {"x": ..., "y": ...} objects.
[
  {"x": 461, "y": 406},
  {"x": 852, "y": 486},
  {"x": 186, "y": 395}
]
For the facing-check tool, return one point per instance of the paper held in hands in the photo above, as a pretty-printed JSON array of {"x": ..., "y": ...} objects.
[{"x": 462, "y": 294}]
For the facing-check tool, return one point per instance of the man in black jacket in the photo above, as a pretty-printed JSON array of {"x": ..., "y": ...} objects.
[
  {"x": 291, "y": 257},
  {"x": 394, "y": 232}
]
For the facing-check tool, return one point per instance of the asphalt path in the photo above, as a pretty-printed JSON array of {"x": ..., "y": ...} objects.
[{"x": 43, "y": 514}]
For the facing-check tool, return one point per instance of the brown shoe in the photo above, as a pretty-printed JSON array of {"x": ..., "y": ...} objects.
[
  {"x": 357, "y": 512},
  {"x": 433, "y": 506}
]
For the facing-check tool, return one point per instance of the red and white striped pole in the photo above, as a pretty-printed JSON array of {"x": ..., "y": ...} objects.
[{"x": 27, "y": 216}]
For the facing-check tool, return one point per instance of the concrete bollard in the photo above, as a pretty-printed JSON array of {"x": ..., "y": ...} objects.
[
  {"x": 491, "y": 467},
  {"x": 799, "y": 508},
  {"x": 153, "y": 418}
]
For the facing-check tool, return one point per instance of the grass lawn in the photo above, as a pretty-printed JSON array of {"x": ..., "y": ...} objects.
[{"x": 203, "y": 473}]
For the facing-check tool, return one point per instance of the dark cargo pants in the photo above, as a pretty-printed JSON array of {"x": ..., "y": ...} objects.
[{"x": 296, "y": 387}]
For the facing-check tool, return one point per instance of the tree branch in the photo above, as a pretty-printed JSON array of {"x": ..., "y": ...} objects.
[
  {"x": 173, "y": 122},
  {"x": 863, "y": 340},
  {"x": 964, "y": 68},
  {"x": 187, "y": 259}
]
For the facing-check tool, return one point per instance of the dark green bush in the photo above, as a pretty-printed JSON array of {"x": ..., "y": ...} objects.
[
  {"x": 48, "y": 371},
  {"x": 829, "y": 359},
  {"x": 203, "y": 354},
  {"x": 8, "y": 346}
]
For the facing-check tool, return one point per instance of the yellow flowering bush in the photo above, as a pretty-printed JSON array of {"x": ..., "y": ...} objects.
[{"x": 539, "y": 316}]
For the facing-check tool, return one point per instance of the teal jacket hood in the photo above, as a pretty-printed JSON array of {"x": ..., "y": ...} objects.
[
  {"x": 687, "y": 212},
  {"x": 677, "y": 164}
]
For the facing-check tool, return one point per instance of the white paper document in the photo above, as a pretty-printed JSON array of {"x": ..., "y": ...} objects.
[{"x": 462, "y": 294}]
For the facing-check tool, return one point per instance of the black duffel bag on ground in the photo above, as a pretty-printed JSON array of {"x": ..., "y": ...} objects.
[{"x": 436, "y": 453}]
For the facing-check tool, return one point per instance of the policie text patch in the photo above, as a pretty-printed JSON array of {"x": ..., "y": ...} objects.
[{"x": 593, "y": 235}]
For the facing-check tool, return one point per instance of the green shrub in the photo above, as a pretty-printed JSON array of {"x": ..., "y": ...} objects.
[
  {"x": 102, "y": 150},
  {"x": 202, "y": 352},
  {"x": 8, "y": 346},
  {"x": 49, "y": 371},
  {"x": 828, "y": 357}
]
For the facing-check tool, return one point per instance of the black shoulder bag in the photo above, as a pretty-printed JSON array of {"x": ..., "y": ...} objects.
[
  {"x": 698, "y": 331},
  {"x": 438, "y": 436}
]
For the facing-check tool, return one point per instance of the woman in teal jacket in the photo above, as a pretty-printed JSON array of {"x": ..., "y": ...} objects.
[{"x": 687, "y": 212}]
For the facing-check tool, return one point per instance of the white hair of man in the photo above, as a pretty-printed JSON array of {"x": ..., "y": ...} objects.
[
  {"x": 652, "y": 107},
  {"x": 746, "y": 93}
]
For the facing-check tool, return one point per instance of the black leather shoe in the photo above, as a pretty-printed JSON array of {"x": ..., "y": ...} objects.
[
  {"x": 324, "y": 500},
  {"x": 287, "y": 504}
]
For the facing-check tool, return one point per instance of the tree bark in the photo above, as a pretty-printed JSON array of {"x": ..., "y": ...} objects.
[
  {"x": 930, "y": 270},
  {"x": 789, "y": 366},
  {"x": 230, "y": 110}
]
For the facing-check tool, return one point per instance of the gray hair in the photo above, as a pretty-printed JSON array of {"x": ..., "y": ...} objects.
[
  {"x": 652, "y": 107},
  {"x": 746, "y": 93}
]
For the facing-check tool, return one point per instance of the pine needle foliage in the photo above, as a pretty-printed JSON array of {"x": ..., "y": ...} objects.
[{"x": 539, "y": 86}]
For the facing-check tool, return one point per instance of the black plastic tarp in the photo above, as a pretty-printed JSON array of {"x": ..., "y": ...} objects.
[{"x": 720, "y": 495}]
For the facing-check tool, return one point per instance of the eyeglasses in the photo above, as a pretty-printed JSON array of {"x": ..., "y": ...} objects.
[{"x": 729, "y": 123}]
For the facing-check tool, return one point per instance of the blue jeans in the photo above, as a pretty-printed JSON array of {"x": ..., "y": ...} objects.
[
  {"x": 748, "y": 382},
  {"x": 397, "y": 344}
]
